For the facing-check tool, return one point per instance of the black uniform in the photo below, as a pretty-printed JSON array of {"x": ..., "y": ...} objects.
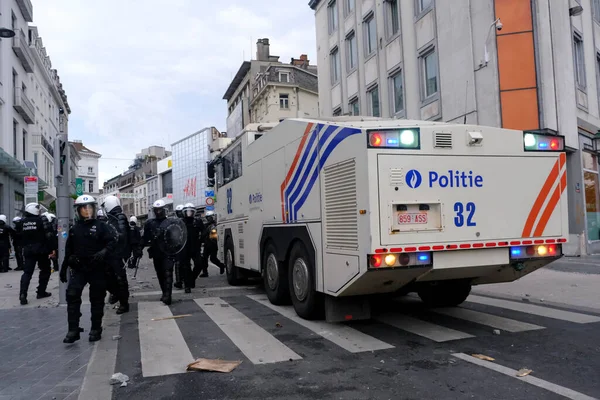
[
  {"x": 17, "y": 241},
  {"x": 210, "y": 251},
  {"x": 135, "y": 245},
  {"x": 179, "y": 260},
  {"x": 53, "y": 244},
  {"x": 88, "y": 245},
  {"x": 163, "y": 264},
  {"x": 5, "y": 233},
  {"x": 117, "y": 275},
  {"x": 37, "y": 233},
  {"x": 194, "y": 228}
]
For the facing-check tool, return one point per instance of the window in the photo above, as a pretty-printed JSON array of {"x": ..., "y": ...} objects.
[
  {"x": 373, "y": 96},
  {"x": 429, "y": 74},
  {"x": 35, "y": 159},
  {"x": 284, "y": 77},
  {"x": 397, "y": 91},
  {"x": 596, "y": 9},
  {"x": 335, "y": 66},
  {"x": 284, "y": 101},
  {"x": 230, "y": 167},
  {"x": 15, "y": 129},
  {"x": 393, "y": 17},
  {"x": 592, "y": 194},
  {"x": 337, "y": 112},
  {"x": 370, "y": 35},
  {"x": 424, "y": 5},
  {"x": 349, "y": 6},
  {"x": 353, "y": 107},
  {"x": 91, "y": 186},
  {"x": 24, "y": 145},
  {"x": 332, "y": 14},
  {"x": 579, "y": 61},
  {"x": 90, "y": 170},
  {"x": 352, "y": 51}
]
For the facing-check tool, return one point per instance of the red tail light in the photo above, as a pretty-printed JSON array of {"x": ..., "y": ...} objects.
[
  {"x": 376, "y": 260},
  {"x": 375, "y": 140}
]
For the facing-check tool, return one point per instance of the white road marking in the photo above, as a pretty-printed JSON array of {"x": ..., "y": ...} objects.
[
  {"x": 535, "y": 310},
  {"x": 163, "y": 348},
  {"x": 505, "y": 324},
  {"x": 561, "y": 390},
  {"x": 256, "y": 343},
  {"x": 426, "y": 329},
  {"x": 344, "y": 336},
  {"x": 208, "y": 289}
]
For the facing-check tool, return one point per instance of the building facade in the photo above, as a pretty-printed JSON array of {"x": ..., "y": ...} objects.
[
  {"x": 152, "y": 191},
  {"x": 141, "y": 200},
  {"x": 33, "y": 108},
  {"x": 284, "y": 91},
  {"x": 520, "y": 64},
  {"x": 87, "y": 168}
]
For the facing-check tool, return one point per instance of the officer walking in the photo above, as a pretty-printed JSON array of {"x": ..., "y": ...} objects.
[
  {"x": 178, "y": 261},
  {"x": 37, "y": 233},
  {"x": 53, "y": 244},
  {"x": 18, "y": 242},
  {"x": 210, "y": 245},
  {"x": 88, "y": 245},
  {"x": 5, "y": 233},
  {"x": 163, "y": 264},
  {"x": 194, "y": 231},
  {"x": 135, "y": 242},
  {"x": 116, "y": 260}
]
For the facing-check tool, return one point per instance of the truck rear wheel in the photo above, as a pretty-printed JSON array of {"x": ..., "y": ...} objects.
[
  {"x": 445, "y": 294},
  {"x": 275, "y": 277},
  {"x": 233, "y": 272},
  {"x": 307, "y": 302}
]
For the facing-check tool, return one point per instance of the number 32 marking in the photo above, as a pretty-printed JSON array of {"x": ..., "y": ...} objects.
[{"x": 460, "y": 208}]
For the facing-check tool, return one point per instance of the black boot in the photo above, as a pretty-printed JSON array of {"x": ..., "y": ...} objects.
[
  {"x": 95, "y": 335},
  {"x": 43, "y": 295},
  {"x": 178, "y": 285},
  {"x": 72, "y": 336},
  {"x": 123, "y": 308},
  {"x": 167, "y": 300},
  {"x": 112, "y": 299},
  {"x": 188, "y": 290},
  {"x": 23, "y": 298}
]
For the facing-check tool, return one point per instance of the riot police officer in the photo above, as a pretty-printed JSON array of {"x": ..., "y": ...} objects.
[
  {"x": 178, "y": 261},
  {"x": 179, "y": 211},
  {"x": 210, "y": 245},
  {"x": 53, "y": 244},
  {"x": 163, "y": 264},
  {"x": 101, "y": 215},
  {"x": 18, "y": 242},
  {"x": 116, "y": 260},
  {"x": 89, "y": 243},
  {"x": 135, "y": 242},
  {"x": 194, "y": 231},
  {"x": 37, "y": 233},
  {"x": 5, "y": 234}
]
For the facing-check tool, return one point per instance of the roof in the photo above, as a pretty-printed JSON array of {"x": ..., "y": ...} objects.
[
  {"x": 81, "y": 149},
  {"x": 237, "y": 80}
]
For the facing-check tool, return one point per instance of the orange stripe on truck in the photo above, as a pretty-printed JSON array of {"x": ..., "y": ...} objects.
[
  {"x": 539, "y": 202},
  {"x": 539, "y": 230},
  {"x": 291, "y": 170}
]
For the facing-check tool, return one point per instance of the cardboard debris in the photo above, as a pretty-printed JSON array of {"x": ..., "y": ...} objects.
[
  {"x": 172, "y": 317},
  {"x": 204, "y": 364},
  {"x": 483, "y": 357},
  {"x": 523, "y": 372},
  {"x": 119, "y": 378}
]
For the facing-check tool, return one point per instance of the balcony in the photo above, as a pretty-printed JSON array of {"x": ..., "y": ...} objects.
[
  {"x": 23, "y": 106},
  {"x": 26, "y": 9},
  {"x": 40, "y": 140},
  {"x": 21, "y": 49}
]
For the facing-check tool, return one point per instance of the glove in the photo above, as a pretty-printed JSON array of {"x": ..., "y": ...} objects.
[
  {"x": 63, "y": 274},
  {"x": 99, "y": 256},
  {"x": 73, "y": 261}
]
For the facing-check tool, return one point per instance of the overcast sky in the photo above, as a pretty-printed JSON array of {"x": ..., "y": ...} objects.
[{"x": 139, "y": 73}]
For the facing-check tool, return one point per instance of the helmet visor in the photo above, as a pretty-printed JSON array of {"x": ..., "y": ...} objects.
[
  {"x": 86, "y": 212},
  {"x": 189, "y": 212},
  {"x": 160, "y": 212}
]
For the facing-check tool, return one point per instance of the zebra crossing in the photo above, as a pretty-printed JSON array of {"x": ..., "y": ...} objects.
[{"x": 165, "y": 350}]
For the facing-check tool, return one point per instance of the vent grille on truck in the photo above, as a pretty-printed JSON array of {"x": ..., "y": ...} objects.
[
  {"x": 341, "y": 208},
  {"x": 396, "y": 177},
  {"x": 241, "y": 243},
  {"x": 240, "y": 228},
  {"x": 442, "y": 140}
]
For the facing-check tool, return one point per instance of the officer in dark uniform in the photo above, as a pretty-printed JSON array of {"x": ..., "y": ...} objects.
[
  {"x": 135, "y": 243},
  {"x": 118, "y": 274},
  {"x": 88, "y": 245},
  {"x": 209, "y": 238},
  {"x": 163, "y": 264},
  {"x": 37, "y": 233},
  {"x": 179, "y": 260},
  {"x": 194, "y": 231},
  {"x": 53, "y": 244},
  {"x": 18, "y": 242},
  {"x": 5, "y": 234}
]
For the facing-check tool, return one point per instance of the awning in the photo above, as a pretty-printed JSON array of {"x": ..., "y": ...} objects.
[{"x": 13, "y": 167}]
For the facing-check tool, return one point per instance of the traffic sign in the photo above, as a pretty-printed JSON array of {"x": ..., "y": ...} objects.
[
  {"x": 79, "y": 186},
  {"x": 210, "y": 201},
  {"x": 209, "y": 193},
  {"x": 210, "y": 208}
]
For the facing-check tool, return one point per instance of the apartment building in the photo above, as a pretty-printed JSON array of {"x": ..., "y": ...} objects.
[
  {"x": 521, "y": 64},
  {"x": 87, "y": 167}
]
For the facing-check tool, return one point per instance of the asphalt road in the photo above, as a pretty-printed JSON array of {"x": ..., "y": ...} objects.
[{"x": 405, "y": 352}]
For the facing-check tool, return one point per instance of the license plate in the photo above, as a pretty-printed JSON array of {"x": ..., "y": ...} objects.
[{"x": 412, "y": 218}]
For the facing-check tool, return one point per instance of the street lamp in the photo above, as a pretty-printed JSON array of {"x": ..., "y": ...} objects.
[
  {"x": 6, "y": 33},
  {"x": 486, "y": 55}
]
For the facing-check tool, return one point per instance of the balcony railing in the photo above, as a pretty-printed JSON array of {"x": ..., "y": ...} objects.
[
  {"x": 21, "y": 49},
  {"x": 23, "y": 106},
  {"x": 26, "y": 9},
  {"x": 40, "y": 140}
]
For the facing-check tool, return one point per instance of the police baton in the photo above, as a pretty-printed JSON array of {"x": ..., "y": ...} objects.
[{"x": 137, "y": 264}]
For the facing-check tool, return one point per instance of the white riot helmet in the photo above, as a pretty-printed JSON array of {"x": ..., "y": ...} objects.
[
  {"x": 49, "y": 216},
  {"x": 111, "y": 202},
  {"x": 133, "y": 220},
  {"x": 158, "y": 207},
  {"x": 179, "y": 211},
  {"x": 16, "y": 219},
  {"x": 85, "y": 207},
  {"x": 3, "y": 218},
  {"x": 210, "y": 216},
  {"x": 101, "y": 215},
  {"x": 189, "y": 211},
  {"x": 33, "y": 209}
]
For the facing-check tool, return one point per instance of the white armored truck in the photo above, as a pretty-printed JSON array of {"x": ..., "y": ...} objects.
[{"x": 330, "y": 211}]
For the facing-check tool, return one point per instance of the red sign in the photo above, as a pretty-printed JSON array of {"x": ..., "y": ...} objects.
[
  {"x": 190, "y": 187},
  {"x": 31, "y": 179}
]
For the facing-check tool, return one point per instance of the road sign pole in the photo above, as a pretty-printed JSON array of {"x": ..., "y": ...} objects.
[{"x": 63, "y": 201}]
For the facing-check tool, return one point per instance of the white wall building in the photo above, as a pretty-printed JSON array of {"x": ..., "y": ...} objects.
[
  {"x": 140, "y": 204},
  {"x": 164, "y": 182},
  {"x": 88, "y": 168}
]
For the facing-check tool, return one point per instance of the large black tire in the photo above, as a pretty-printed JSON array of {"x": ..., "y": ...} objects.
[
  {"x": 308, "y": 303},
  {"x": 445, "y": 294},
  {"x": 234, "y": 277},
  {"x": 275, "y": 277}
]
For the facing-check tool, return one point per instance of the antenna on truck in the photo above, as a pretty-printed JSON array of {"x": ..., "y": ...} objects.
[{"x": 466, "y": 99}]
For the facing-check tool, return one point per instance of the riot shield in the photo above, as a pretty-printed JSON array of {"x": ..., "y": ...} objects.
[{"x": 172, "y": 236}]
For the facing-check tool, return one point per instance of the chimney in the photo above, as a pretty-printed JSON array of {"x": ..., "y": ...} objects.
[
  {"x": 302, "y": 62},
  {"x": 262, "y": 50}
]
